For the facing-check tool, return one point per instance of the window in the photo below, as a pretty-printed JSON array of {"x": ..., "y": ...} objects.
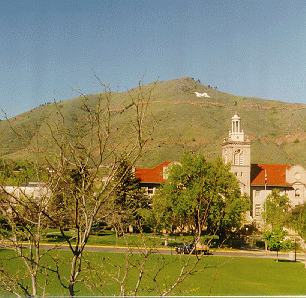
[
  {"x": 241, "y": 158},
  {"x": 297, "y": 193},
  {"x": 238, "y": 157},
  {"x": 257, "y": 193},
  {"x": 150, "y": 190},
  {"x": 225, "y": 156},
  {"x": 257, "y": 210},
  {"x": 241, "y": 174}
]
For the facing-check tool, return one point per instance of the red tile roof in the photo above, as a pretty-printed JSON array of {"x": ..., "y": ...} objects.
[
  {"x": 276, "y": 174},
  {"x": 154, "y": 175}
]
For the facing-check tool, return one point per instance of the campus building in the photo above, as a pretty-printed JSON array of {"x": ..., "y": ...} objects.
[
  {"x": 255, "y": 180},
  {"x": 152, "y": 179},
  {"x": 258, "y": 180}
]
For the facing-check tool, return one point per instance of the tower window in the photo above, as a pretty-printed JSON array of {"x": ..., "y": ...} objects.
[{"x": 238, "y": 157}]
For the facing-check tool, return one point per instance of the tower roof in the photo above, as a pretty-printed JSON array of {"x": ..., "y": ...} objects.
[{"x": 236, "y": 117}]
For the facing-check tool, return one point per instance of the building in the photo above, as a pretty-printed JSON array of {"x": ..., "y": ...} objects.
[
  {"x": 151, "y": 179},
  {"x": 258, "y": 180},
  {"x": 236, "y": 149},
  {"x": 255, "y": 180}
]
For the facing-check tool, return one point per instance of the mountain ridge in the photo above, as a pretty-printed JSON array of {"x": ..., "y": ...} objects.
[{"x": 186, "y": 123}]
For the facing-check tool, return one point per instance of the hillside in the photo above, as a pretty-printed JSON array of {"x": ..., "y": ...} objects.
[{"x": 186, "y": 123}]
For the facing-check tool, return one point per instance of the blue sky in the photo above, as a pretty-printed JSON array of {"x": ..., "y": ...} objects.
[{"x": 48, "y": 49}]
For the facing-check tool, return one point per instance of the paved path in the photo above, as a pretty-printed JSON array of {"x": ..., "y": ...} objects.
[{"x": 169, "y": 251}]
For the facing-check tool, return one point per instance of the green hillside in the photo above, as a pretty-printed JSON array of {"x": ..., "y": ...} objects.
[{"x": 185, "y": 123}]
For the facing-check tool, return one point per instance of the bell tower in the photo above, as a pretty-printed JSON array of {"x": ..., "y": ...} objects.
[{"x": 236, "y": 150}]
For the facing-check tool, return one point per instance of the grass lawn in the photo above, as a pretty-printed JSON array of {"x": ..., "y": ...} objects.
[
  {"x": 214, "y": 276},
  {"x": 250, "y": 276},
  {"x": 133, "y": 239}
]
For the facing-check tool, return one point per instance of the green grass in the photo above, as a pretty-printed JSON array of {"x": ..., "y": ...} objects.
[
  {"x": 108, "y": 238},
  {"x": 214, "y": 276}
]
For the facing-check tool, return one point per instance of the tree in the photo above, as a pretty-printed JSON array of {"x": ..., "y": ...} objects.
[
  {"x": 200, "y": 196},
  {"x": 276, "y": 214},
  {"x": 127, "y": 201},
  {"x": 277, "y": 209},
  {"x": 23, "y": 221},
  {"x": 275, "y": 239},
  {"x": 72, "y": 156},
  {"x": 85, "y": 165},
  {"x": 78, "y": 164},
  {"x": 297, "y": 222}
]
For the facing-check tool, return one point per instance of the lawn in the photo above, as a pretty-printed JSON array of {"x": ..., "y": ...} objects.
[
  {"x": 214, "y": 276},
  {"x": 108, "y": 238}
]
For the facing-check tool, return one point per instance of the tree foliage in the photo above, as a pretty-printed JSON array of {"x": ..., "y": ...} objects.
[
  {"x": 200, "y": 195},
  {"x": 277, "y": 209},
  {"x": 297, "y": 220},
  {"x": 127, "y": 201},
  {"x": 87, "y": 180},
  {"x": 275, "y": 239}
]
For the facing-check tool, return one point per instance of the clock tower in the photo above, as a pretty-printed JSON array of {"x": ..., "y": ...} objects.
[{"x": 237, "y": 151}]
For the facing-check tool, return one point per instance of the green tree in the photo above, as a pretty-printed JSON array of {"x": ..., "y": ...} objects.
[
  {"x": 127, "y": 201},
  {"x": 275, "y": 239},
  {"x": 297, "y": 220},
  {"x": 200, "y": 196},
  {"x": 277, "y": 209},
  {"x": 276, "y": 215}
]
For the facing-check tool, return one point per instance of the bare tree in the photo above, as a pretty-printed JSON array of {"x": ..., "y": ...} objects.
[
  {"x": 93, "y": 144},
  {"x": 22, "y": 211},
  {"x": 80, "y": 152}
]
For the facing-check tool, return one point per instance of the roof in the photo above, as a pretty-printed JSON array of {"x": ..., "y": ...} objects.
[
  {"x": 276, "y": 174},
  {"x": 154, "y": 175}
]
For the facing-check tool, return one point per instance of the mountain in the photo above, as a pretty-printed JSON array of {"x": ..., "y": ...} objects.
[{"x": 185, "y": 123}]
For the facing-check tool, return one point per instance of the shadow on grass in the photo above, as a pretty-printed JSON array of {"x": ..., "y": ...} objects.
[
  {"x": 55, "y": 238},
  {"x": 285, "y": 261},
  {"x": 175, "y": 243}
]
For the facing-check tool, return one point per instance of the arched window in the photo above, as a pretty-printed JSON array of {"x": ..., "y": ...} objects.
[
  {"x": 241, "y": 158},
  {"x": 238, "y": 157}
]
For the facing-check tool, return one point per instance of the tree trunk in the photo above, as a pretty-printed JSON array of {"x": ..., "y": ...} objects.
[
  {"x": 116, "y": 237},
  {"x": 34, "y": 285},
  {"x": 73, "y": 275}
]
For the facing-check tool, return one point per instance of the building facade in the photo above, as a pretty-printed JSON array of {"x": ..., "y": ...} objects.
[
  {"x": 151, "y": 179},
  {"x": 236, "y": 149},
  {"x": 255, "y": 180},
  {"x": 258, "y": 180}
]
